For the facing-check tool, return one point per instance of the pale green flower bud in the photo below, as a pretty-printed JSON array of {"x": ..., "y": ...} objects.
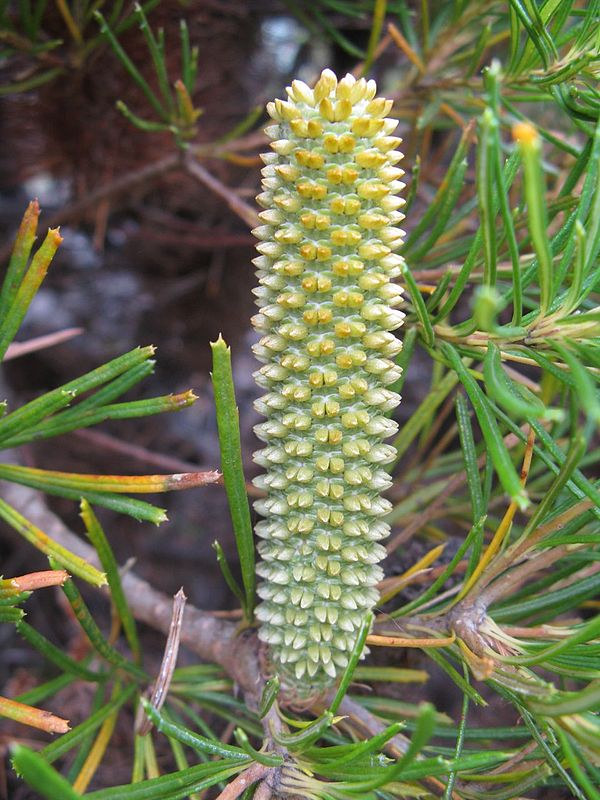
[{"x": 327, "y": 240}]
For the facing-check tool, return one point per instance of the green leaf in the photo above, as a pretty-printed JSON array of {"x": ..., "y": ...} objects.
[
  {"x": 586, "y": 389},
  {"x": 535, "y": 193},
  {"x": 32, "y": 413},
  {"x": 18, "y": 261},
  {"x": 474, "y": 536},
  {"x": 576, "y": 766},
  {"x": 442, "y": 204},
  {"x": 419, "y": 307},
  {"x": 228, "y": 575},
  {"x": 30, "y": 283},
  {"x": 548, "y": 605},
  {"x": 423, "y": 414},
  {"x": 130, "y": 67},
  {"x": 98, "y": 539},
  {"x": 10, "y": 614},
  {"x": 565, "y": 703},
  {"x": 404, "y": 358},
  {"x": 359, "y": 749},
  {"x": 486, "y": 158},
  {"x": 267, "y": 759},
  {"x": 146, "y": 125},
  {"x": 44, "y": 690},
  {"x": 505, "y": 469},
  {"x": 469, "y": 455},
  {"x": 297, "y": 742},
  {"x": 189, "y": 738},
  {"x": 379, "y": 9},
  {"x": 56, "y": 655},
  {"x": 38, "y": 774},
  {"x": 509, "y": 395},
  {"x": 77, "y": 418},
  {"x": 94, "y": 634},
  {"x": 157, "y": 55},
  {"x": 189, "y": 58},
  {"x": 138, "y": 509},
  {"x": 422, "y": 734},
  {"x": 269, "y": 696},
  {"x": 72, "y": 563},
  {"x": 173, "y": 786},
  {"x": 359, "y": 646},
  {"x": 62, "y": 746},
  {"x": 231, "y": 465},
  {"x": 584, "y": 633},
  {"x": 460, "y": 738}
]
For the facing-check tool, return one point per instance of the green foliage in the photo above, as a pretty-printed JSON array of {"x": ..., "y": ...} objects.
[
  {"x": 498, "y": 461},
  {"x": 174, "y": 109},
  {"x": 233, "y": 473}
]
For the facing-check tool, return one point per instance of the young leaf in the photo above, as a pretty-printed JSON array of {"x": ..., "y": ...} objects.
[
  {"x": 231, "y": 464},
  {"x": 30, "y": 283}
]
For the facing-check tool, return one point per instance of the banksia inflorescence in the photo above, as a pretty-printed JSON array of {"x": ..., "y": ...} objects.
[{"x": 326, "y": 302}]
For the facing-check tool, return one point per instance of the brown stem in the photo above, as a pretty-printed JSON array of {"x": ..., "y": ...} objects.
[
  {"x": 203, "y": 176},
  {"x": 511, "y": 581},
  {"x": 104, "y": 441},
  {"x": 524, "y": 544},
  {"x": 246, "y": 778},
  {"x": 17, "y": 349}
]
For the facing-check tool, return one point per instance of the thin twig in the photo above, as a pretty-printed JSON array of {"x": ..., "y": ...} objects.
[
  {"x": 17, "y": 349},
  {"x": 107, "y": 442},
  {"x": 203, "y": 176},
  {"x": 246, "y": 778},
  {"x": 512, "y": 580}
]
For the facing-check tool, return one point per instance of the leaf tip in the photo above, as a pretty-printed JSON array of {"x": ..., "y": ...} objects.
[
  {"x": 220, "y": 343},
  {"x": 525, "y": 134},
  {"x": 54, "y": 236}
]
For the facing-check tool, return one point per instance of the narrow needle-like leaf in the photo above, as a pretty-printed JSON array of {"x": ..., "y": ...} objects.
[
  {"x": 98, "y": 539},
  {"x": 72, "y": 563},
  {"x": 30, "y": 283},
  {"x": 231, "y": 463},
  {"x": 34, "y": 717}
]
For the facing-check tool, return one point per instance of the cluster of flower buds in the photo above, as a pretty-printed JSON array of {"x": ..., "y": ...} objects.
[{"x": 327, "y": 308}]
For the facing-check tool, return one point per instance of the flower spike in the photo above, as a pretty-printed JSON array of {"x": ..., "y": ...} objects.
[{"x": 326, "y": 311}]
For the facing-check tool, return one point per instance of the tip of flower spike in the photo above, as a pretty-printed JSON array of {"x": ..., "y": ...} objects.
[
  {"x": 326, "y": 84},
  {"x": 525, "y": 133}
]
